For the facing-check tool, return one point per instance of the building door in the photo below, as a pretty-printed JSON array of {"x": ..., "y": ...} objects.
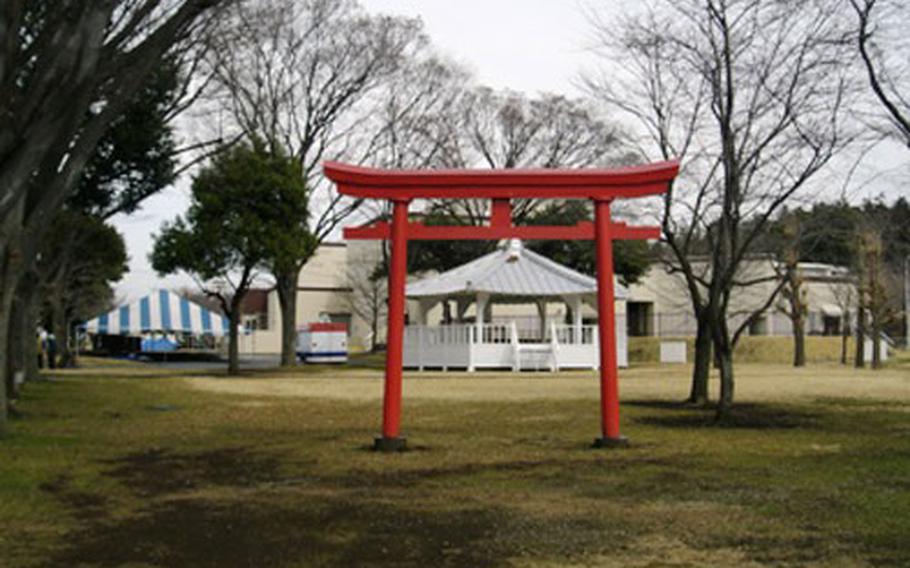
[{"x": 640, "y": 316}]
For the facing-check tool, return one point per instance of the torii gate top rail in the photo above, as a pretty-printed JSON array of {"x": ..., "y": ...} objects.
[
  {"x": 601, "y": 186},
  {"x": 632, "y": 181}
]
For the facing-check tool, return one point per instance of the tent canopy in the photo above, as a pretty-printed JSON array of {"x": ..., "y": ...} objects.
[
  {"x": 159, "y": 311},
  {"x": 511, "y": 270}
]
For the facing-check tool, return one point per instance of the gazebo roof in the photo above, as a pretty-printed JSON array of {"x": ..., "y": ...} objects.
[{"x": 511, "y": 270}]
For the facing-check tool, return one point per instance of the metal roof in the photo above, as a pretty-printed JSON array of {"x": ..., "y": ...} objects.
[{"x": 511, "y": 270}]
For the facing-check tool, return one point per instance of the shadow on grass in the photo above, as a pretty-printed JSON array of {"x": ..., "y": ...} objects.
[
  {"x": 268, "y": 532},
  {"x": 745, "y": 416},
  {"x": 84, "y": 505},
  {"x": 144, "y": 375},
  {"x": 157, "y": 471},
  {"x": 314, "y": 519},
  {"x": 660, "y": 404}
]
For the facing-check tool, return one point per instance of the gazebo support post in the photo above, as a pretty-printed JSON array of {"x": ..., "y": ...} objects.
[
  {"x": 461, "y": 308},
  {"x": 481, "y": 306},
  {"x": 542, "y": 319},
  {"x": 391, "y": 440},
  {"x": 578, "y": 321},
  {"x": 609, "y": 387}
]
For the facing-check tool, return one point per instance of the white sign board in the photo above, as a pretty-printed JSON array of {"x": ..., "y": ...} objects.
[
  {"x": 867, "y": 350},
  {"x": 672, "y": 351}
]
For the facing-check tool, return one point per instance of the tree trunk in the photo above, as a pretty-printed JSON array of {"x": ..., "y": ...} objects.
[
  {"x": 799, "y": 341},
  {"x": 374, "y": 328},
  {"x": 876, "y": 343},
  {"x": 793, "y": 292},
  {"x": 73, "y": 337},
  {"x": 60, "y": 327},
  {"x": 5, "y": 308},
  {"x": 30, "y": 332},
  {"x": 844, "y": 336},
  {"x": 67, "y": 353},
  {"x": 859, "y": 361},
  {"x": 724, "y": 349},
  {"x": 10, "y": 275},
  {"x": 725, "y": 404},
  {"x": 16, "y": 348},
  {"x": 233, "y": 345},
  {"x": 286, "y": 286},
  {"x": 23, "y": 348},
  {"x": 702, "y": 361}
]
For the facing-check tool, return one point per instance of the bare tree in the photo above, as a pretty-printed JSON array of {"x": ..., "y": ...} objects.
[
  {"x": 877, "y": 291},
  {"x": 794, "y": 241},
  {"x": 66, "y": 72},
  {"x": 414, "y": 122},
  {"x": 749, "y": 93},
  {"x": 882, "y": 44},
  {"x": 844, "y": 293},
  {"x": 795, "y": 307},
  {"x": 300, "y": 75},
  {"x": 368, "y": 297},
  {"x": 505, "y": 129}
]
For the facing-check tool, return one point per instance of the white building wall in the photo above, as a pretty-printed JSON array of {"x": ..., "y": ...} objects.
[
  {"x": 322, "y": 292},
  {"x": 672, "y": 308}
]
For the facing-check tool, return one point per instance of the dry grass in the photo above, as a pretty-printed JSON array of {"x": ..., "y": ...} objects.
[
  {"x": 758, "y": 349},
  {"x": 755, "y": 383},
  {"x": 140, "y": 468}
]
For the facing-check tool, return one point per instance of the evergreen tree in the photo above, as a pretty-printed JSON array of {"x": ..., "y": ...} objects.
[{"x": 236, "y": 220}]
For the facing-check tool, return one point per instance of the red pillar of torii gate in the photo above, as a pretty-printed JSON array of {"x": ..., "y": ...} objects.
[{"x": 601, "y": 186}]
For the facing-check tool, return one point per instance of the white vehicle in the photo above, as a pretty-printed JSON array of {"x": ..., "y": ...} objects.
[{"x": 323, "y": 343}]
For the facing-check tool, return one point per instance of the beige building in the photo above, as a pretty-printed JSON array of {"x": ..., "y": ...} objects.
[
  {"x": 322, "y": 294},
  {"x": 336, "y": 285},
  {"x": 660, "y": 304}
]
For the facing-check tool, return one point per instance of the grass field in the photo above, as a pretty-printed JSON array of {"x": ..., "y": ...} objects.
[
  {"x": 751, "y": 349},
  {"x": 126, "y": 465}
]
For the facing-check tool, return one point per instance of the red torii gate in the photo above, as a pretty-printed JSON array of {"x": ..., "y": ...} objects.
[{"x": 601, "y": 186}]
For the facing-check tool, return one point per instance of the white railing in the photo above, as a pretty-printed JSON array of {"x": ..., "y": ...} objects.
[
  {"x": 496, "y": 345},
  {"x": 499, "y": 333},
  {"x": 570, "y": 335},
  {"x": 496, "y": 333},
  {"x": 439, "y": 335}
]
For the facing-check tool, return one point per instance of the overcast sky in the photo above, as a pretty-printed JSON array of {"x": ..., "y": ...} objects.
[{"x": 523, "y": 45}]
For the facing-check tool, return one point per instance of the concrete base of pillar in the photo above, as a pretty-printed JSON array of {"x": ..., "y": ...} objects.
[
  {"x": 621, "y": 442},
  {"x": 387, "y": 445}
]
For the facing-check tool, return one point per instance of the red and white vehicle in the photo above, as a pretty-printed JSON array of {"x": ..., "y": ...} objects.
[{"x": 323, "y": 343}]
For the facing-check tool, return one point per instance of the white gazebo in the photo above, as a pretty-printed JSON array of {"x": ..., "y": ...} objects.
[{"x": 510, "y": 275}]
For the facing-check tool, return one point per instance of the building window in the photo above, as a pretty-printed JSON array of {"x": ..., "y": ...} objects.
[
  {"x": 250, "y": 324},
  {"x": 640, "y": 318},
  {"x": 831, "y": 325}
]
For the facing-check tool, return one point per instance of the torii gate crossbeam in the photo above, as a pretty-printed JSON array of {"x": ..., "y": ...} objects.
[{"x": 601, "y": 186}]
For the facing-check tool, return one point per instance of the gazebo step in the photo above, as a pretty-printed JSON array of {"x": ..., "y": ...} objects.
[{"x": 534, "y": 356}]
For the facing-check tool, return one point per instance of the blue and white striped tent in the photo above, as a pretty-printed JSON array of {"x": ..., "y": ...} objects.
[{"x": 160, "y": 311}]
